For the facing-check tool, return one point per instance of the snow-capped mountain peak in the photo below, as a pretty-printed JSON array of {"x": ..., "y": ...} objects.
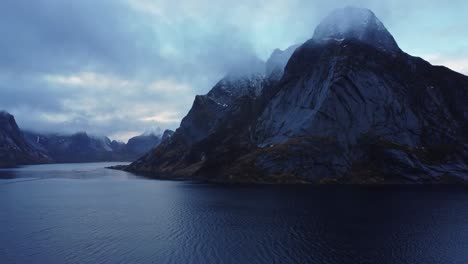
[{"x": 355, "y": 23}]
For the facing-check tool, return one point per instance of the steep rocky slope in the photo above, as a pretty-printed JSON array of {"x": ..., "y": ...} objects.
[
  {"x": 350, "y": 107},
  {"x": 207, "y": 114},
  {"x": 14, "y": 149}
]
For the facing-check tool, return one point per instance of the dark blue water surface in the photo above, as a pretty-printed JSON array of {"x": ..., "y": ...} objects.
[{"x": 86, "y": 214}]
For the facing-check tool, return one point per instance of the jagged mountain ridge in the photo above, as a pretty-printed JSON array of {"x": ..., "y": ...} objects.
[
  {"x": 350, "y": 107},
  {"x": 75, "y": 148},
  {"x": 81, "y": 147},
  {"x": 26, "y": 148}
]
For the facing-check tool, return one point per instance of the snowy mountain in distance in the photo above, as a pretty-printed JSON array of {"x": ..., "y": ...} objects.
[
  {"x": 78, "y": 147},
  {"x": 25, "y": 147},
  {"x": 82, "y": 147}
]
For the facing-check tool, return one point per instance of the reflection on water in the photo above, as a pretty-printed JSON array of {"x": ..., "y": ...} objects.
[{"x": 47, "y": 215}]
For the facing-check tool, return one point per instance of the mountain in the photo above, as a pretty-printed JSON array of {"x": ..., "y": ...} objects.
[
  {"x": 167, "y": 135},
  {"x": 14, "y": 149},
  {"x": 351, "y": 107},
  {"x": 24, "y": 148},
  {"x": 139, "y": 145},
  {"x": 78, "y": 147},
  {"x": 81, "y": 147},
  {"x": 358, "y": 24},
  {"x": 278, "y": 60},
  {"x": 208, "y": 113}
]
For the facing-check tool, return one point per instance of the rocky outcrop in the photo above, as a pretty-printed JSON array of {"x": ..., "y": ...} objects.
[
  {"x": 351, "y": 107},
  {"x": 14, "y": 149},
  {"x": 167, "y": 135}
]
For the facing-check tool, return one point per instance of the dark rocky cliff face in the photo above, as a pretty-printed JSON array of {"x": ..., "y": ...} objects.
[
  {"x": 347, "y": 111},
  {"x": 14, "y": 149},
  {"x": 351, "y": 107}
]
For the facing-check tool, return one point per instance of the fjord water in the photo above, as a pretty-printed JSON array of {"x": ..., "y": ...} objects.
[{"x": 83, "y": 213}]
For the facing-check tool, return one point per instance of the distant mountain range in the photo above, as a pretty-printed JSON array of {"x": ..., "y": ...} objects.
[
  {"x": 347, "y": 106},
  {"x": 22, "y": 147}
]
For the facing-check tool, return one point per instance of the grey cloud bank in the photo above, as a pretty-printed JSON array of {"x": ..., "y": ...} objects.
[{"x": 119, "y": 67}]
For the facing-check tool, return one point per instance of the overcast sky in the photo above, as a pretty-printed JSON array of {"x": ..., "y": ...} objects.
[{"x": 120, "y": 67}]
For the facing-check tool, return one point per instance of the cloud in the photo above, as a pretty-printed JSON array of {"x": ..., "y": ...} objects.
[
  {"x": 168, "y": 87},
  {"x": 163, "y": 117},
  {"x": 90, "y": 80},
  {"x": 118, "y": 67},
  {"x": 103, "y": 101},
  {"x": 51, "y": 36}
]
